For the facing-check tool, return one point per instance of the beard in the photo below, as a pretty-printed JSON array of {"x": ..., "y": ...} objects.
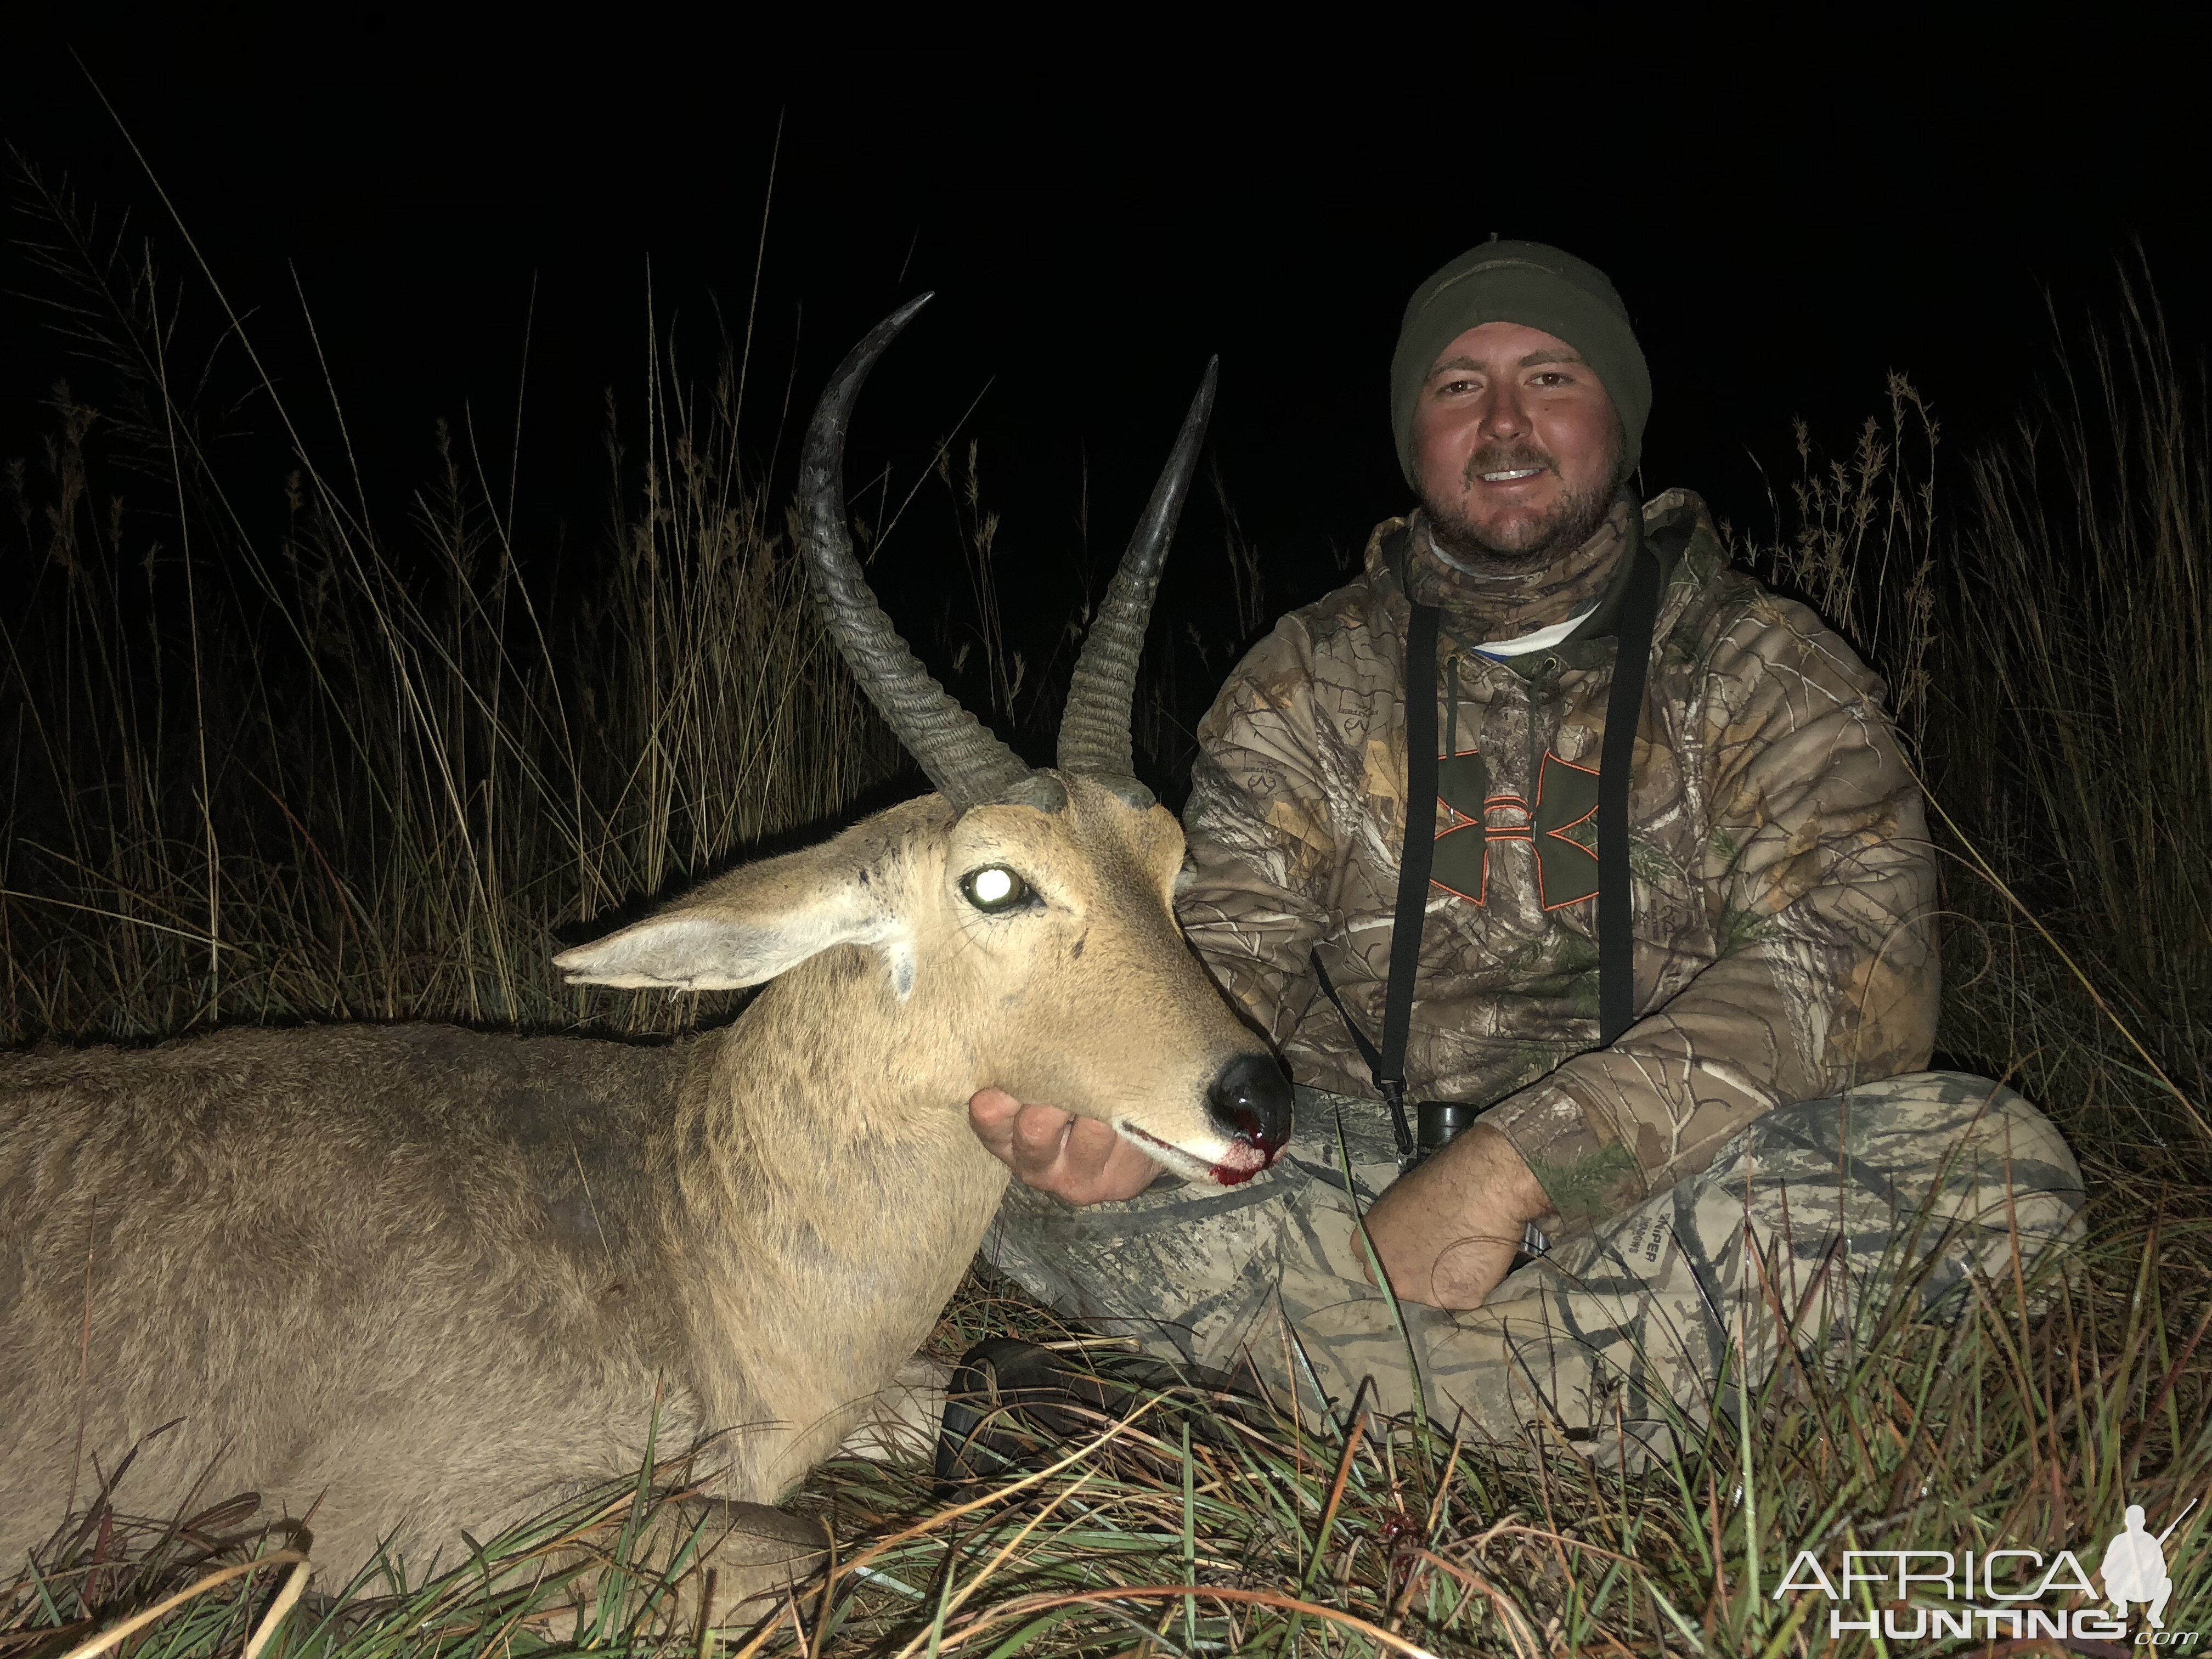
[{"x": 1525, "y": 544}]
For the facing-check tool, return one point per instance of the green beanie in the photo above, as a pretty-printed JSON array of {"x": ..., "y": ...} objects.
[{"x": 1539, "y": 287}]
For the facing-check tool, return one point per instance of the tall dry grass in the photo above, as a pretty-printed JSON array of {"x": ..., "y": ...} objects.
[
  {"x": 2049, "y": 651},
  {"x": 2075, "y": 745},
  {"x": 347, "y": 773}
]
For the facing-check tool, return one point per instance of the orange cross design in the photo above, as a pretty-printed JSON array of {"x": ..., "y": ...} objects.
[{"x": 1473, "y": 818}]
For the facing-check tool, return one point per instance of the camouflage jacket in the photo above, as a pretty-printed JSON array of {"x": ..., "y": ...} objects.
[{"x": 1783, "y": 879}]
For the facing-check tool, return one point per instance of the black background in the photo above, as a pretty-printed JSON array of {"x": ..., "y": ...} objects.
[{"x": 1792, "y": 202}]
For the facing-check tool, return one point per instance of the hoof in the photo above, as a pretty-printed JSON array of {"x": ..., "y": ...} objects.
[{"x": 752, "y": 1550}]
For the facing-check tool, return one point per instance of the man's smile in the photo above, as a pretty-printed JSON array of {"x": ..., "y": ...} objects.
[{"x": 1515, "y": 469}]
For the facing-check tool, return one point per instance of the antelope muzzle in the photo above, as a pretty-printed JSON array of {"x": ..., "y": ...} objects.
[{"x": 1249, "y": 1103}]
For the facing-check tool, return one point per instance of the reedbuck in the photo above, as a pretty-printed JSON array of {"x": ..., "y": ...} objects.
[{"x": 414, "y": 1278}]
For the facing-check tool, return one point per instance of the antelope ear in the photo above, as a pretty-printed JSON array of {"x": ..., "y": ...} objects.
[{"x": 750, "y": 926}]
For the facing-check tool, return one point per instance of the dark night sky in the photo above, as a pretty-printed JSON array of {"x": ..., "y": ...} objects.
[{"x": 1789, "y": 214}]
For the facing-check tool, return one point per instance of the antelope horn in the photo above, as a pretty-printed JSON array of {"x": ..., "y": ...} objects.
[
  {"x": 1094, "y": 732},
  {"x": 967, "y": 763}
]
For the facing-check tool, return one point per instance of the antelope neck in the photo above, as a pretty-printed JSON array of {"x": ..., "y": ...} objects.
[{"x": 835, "y": 1080}]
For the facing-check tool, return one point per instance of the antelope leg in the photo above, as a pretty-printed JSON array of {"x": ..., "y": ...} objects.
[{"x": 900, "y": 1424}]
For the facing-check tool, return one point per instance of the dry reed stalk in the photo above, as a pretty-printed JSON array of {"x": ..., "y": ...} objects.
[{"x": 295, "y": 1582}]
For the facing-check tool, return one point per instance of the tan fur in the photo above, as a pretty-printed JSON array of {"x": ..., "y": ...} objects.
[{"x": 416, "y": 1278}]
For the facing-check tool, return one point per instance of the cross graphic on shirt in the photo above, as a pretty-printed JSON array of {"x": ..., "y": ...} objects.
[{"x": 1471, "y": 818}]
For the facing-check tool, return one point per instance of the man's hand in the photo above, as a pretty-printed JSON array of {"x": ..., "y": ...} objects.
[
  {"x": 1447, "y": 1232},
  {"x": 1076, "y": 1158}
]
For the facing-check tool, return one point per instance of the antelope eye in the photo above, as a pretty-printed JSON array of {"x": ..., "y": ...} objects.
[{"x": 994, "y": 889}]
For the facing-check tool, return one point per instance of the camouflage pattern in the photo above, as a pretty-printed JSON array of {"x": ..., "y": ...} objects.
[
  {"x": 1783, "y": 879},
  {"x": 1822, "y": 1208}
]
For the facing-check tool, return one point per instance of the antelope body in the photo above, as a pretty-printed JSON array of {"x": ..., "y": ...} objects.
[{"x": 414, "y": 1278}]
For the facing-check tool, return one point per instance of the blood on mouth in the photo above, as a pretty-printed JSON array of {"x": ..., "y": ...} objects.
[
  {"x": 1243, "y": 1162},
  {"x": 1245, "y": 1158}
]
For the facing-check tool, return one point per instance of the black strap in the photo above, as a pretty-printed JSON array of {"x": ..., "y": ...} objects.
[
  {"x": 1616, "y": 930},
  {"x": 1624, "y": 713},
  {"x": 1368, "y": 1051},
  {"x": 1421, "y": 848},
  {"x": 1386, "y": 1065}
]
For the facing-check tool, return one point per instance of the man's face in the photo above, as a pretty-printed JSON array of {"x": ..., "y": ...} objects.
[{"x": 1517, "y": 446}]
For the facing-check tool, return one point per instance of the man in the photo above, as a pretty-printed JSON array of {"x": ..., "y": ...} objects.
[
  {"x": 2134, "y": 1569},
  {"x": 1766, "y": 1104}
]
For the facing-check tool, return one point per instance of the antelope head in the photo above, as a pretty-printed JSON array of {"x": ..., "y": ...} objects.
[{"x": 1020, "y": 920}]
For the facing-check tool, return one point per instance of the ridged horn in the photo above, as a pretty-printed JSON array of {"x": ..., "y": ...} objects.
[
  {"x": 1094, "y": 732},
  {"x": 967, "y": 763}
]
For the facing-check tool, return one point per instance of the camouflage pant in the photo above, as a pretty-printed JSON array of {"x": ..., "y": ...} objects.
[{"x": 1819, "y": 1208}]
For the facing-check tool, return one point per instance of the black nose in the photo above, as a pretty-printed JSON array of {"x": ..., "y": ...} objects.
[{"x": 1250, "y": 1101}]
